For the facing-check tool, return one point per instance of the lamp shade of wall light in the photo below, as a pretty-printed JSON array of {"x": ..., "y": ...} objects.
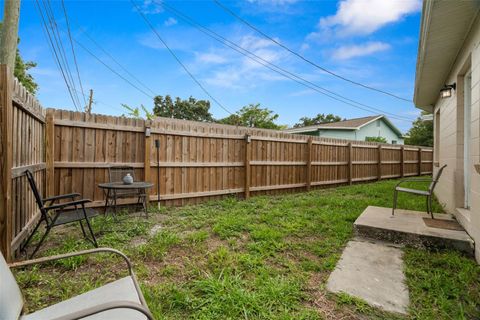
[{"x": 446, "y": 91}]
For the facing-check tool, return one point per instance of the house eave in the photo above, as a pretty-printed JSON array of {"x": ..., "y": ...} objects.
[{"x": 444, "y": 28}]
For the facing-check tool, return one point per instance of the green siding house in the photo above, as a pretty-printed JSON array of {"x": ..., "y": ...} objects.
[{"x": 354, "y": 129}]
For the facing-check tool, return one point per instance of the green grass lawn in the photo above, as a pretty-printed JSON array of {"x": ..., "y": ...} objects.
[{"x": 265, "y": 258}]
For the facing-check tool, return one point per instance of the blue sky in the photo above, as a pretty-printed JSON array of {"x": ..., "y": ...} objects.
[{"x": 370, "y": 41}]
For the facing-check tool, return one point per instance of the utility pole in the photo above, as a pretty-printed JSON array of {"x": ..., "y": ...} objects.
[
  {"x": 9, "y": 34},
  {"x": 88, "y": 108}
]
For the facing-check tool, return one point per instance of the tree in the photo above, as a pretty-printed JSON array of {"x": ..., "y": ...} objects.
[
  {"x": 191, "y": 109},
  {"x": 21, "y": 71},
  {"x": 318, "y": 119},
  {"x": 253, "y": 116},
  {"x": 137, "y": 112},
  {"x": 376, "y": 139},
  {"x": 421, "y": 133}
]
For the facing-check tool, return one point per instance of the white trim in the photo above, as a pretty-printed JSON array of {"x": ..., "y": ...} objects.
[{"x": 467, "y": 138}]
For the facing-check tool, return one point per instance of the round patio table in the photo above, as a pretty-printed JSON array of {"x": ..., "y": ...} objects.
[{"x": 112, "y": 190}]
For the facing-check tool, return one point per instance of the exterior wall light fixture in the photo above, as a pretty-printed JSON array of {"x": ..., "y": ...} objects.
[
  {"x": 446, "y": 91},
  {"x": 148, "y": 131}
]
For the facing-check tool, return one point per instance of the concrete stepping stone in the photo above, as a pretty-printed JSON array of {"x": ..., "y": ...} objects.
[
  {"x": 372, "y": 272},
  {"x": 408, "y": 227}
]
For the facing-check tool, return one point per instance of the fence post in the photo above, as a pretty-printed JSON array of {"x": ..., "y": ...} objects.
[
  {"x": 350, "y": 164},
  {"x": 402, "y": 161},
  {"x": 379, "y": 173},
  {"x": 49, "y": 153},
  {"x": 419, "y": 161},
  {"x": 146, "y": 158},
  {"x": 6, "y": 160},
  {"x": 308, "y": 174},
  {"x": 248, "y": 151}
]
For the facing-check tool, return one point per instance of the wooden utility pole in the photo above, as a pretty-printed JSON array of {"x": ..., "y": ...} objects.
[
  {"x": 9, "y": 34},
  {"x": 88, "y": 108}
]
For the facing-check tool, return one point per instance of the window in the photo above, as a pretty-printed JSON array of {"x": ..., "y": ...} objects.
[
  {"x": 378, "y": 124},
  {"x": 394, "y": 141}
]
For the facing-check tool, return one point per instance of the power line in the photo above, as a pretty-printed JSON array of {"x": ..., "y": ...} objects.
[
  {"x": 226, "y": 9},
  {"x": 113, "y": 70},
  {"x": 62, "y": 62},
  {"x": 59, "y": 58},
  {"x": 290, "y": 75},
  {"x": 176, "y": 58},
  {"x": 58, "y": 40},
  {"x": 54, "y": 52},
  {"x": 118, "y": 63},
  {"x": 73, "y": 51}
]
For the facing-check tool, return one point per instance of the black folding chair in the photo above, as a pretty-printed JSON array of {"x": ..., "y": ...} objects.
[
  {"x": 427, "y": 193},
  {"x": 61, "y": 213}
]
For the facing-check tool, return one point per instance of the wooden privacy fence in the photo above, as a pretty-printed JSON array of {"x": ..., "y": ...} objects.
[
  {"x": 71, "y": 152},
  {"x": 199, "y": 161},
  {"x": 22, "y": 147}
]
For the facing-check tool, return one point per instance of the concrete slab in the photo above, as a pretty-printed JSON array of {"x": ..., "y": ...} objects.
[
  {"x": 408, "y": 228},
  {"x": 374, "y": 273}
]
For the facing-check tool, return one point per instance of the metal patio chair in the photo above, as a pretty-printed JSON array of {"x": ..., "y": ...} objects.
[
  {"x": 120, "y": 300},
  {"x": 58, "y": 214},
  {"x": 116, "y": 174},
  {"x": 427, "y": 193}
]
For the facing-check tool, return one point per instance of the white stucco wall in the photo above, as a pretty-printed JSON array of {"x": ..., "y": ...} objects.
[{"x": 449, "y": 151}]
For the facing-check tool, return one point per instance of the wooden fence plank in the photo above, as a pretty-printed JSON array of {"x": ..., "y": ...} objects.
[
  {"x": 248, "y": 155},
  {"x": 419, "y": 161},
  {"x": 50, "y": 153},
  {"x": 6, "y": 161},
  {"x": 350, "y": 162},
  {"x": 147, "y": 151},
  {"x": 308, "y": 175},
  {"x": 379, "y": 167}
]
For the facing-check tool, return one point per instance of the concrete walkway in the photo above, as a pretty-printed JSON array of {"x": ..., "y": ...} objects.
[{"x": 374, "y": 273}]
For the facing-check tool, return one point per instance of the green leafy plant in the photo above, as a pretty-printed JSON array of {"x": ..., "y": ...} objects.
[
  {"x": 318, "y": 119},
  {"x": 376, "y": 139},
  {"x": 189, "y": 109},
  {"x": 421, "y": 133},
  {"x": 253, "y": 116},
  {"x": 137, "y": 112}
]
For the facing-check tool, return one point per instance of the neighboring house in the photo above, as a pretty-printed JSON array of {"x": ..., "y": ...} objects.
[
  {"x": 447, "y": 84},
  {"x": 354, "y": 129}
]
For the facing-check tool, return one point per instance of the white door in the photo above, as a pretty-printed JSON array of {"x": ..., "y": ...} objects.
[{"x": 467, "y": 110}]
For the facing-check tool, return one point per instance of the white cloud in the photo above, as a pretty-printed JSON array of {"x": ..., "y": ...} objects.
[
  {"x": 210, "y": 57},
  {"x": 230, "y": 70},
  {"x": 151, "y": 7},
  {"x": 301, "y": 93},
  {"x": 363, "y": 17},
  {"x": 352, "y": 51},
  {"x": 170, "y": 22}
]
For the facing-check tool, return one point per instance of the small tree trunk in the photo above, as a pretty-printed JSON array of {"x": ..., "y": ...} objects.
[{"x": 9, "y": 35}]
